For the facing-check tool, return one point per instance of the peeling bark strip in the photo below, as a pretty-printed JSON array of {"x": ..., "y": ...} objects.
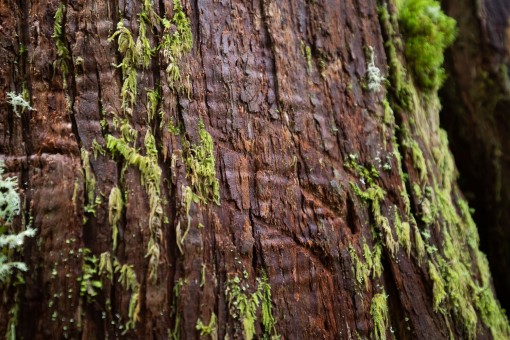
[{"x": 244, "y": 170}]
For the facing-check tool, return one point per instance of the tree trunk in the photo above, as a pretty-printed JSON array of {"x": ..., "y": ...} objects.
[
  {"x": 233, "y": 169},
  {"x": 475, "y": 114}
]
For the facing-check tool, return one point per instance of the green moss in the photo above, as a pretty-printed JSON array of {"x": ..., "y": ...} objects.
[
  {"x": 143, "y": 46},
  {"x": 373, "y": 259},
  {"x": 360, "y": 270},
  {"x": 187, "y": 197},
  {"x": 200, "y": 166},
  {"x": 403, "y": 230},
  {"x": 419, "y": 245},
  {"x": 427, "y": 212},
  {"x": 128, "y": 133},
  {"x": 377, "y": 268},
  {"x": 307, "y": 53},
  {"x": 389, "y": 117},
  {"x": 457, "y": 290},
  {"x": 438, "y": 288},
  {"x": 373, "y": 196},
  {"x": 63, "y": 55},
  {"x": 90, "y": 283},
  {"x": 209, "y": 329},
  {"x": 268, "y": 320},
  {"x": 174, "y": 334},
  {"x": 127, "y": 48},
  {"x": 97, "y": 149},
  {"x": 428, "y": 32},
  {"x": 417, "y": 156},
  {"x": 459, "y": 284},
  {"x": 90, "y": 183},
  {"x": 115, "y": 206},
  {"x": 150, "y": 170},
  {"x": 368, "y": 175},
  {"x": 202, "y": 275},
  {"x": 493, "y": 316},
  {"x": 379, "y": 313},
  {"x": 176, "y": 42},
  {"x": 244, "y": 307},
  {"x": 150, "y": 178},
  {"x": 105, "y": 266},
  {"x": 128, "y": 280},
  {"x": 400, "y": 89},
  {"x": 153, "y": 98}
]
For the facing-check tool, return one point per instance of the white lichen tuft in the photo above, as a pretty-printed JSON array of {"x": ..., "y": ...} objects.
[
  {"x": 374, "y": 76},
  {"x": 10, "y": 207},
  {"x": 17, "y": 101}
]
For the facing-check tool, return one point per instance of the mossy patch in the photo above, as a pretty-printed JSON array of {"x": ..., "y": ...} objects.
[
  {"x": 380, "y": 315},
  {"x": 427, "y": 32},
  {"x": 201, "y": 169},
  {"x": 63, "y": 55},
  {"x": 244, "y": 306}
]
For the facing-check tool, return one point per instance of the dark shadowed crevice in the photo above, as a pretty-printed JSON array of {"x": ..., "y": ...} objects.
[{"x": 476, "y": 102}]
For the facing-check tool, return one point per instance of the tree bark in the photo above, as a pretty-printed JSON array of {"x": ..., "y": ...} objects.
[
  {"x": 475, "y": 114},
  {"x": 339, "y": 215}
]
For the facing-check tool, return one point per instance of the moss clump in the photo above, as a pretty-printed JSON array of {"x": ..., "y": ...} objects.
[
  {"x": 373, "y": 196},
  {"x": 151, "y": 178},
  {"x": 367, "y": 175},
  {"x": 127, "y": 47},
  {"x": 419, "y": 245},
  {"x": 150, "y": 170},
  {"x": 427, "y": 31},
  {"x": 361, "y": 270},
  {"x": 400, "y": 89},
  {"x": 379, "y": 313},
  {"x": 187, "y": 197},
  {"x": 128, "y": 280},
  {"x": 90, "y": 182},
  {"x": 209, "y": 329},
  {"x": 417, "y": 155},
  {"x": 90, "y": 283},
  {"x": 115, "y": 206},
  {"x": 307, "y": 53},
  {"x": 63, "y": 55},
  {"x": 244, "y": 307},
  {"x": 153, "y": 98},
  {"x": 491, "y": 313},
  {"x": 200, "y": 165},
  {"x": 177, "y": 41},
  {"x": 403, "y": 230},
  {"x": 438, "y": 289},
  {"x": 373, "y": 259}
]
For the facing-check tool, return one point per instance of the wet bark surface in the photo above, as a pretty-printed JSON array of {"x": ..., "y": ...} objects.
[
  {"x": 476, "y": 104},
  {"x": 281, "y": 88}
]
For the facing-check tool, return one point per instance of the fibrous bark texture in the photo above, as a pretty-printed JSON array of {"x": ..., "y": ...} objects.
[{"x": 232, "y": 169}]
